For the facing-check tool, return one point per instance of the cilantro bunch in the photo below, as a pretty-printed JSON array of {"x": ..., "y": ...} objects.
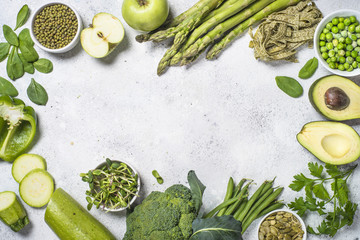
[{"x": 317, "y": 197}]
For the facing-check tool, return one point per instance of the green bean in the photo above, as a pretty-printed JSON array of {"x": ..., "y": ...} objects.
[
  {"x": 240, "y": 208},
  {"x": 238, "y": 187},
  {"x": 261, "y": 207},
  {"x": 243, "y": 192},
  {"x": 270, "y": 208},
  {"x": 256, "y": 205},
  {"x": 220, "y": 206},
  {"x": 228, "y": 195}
]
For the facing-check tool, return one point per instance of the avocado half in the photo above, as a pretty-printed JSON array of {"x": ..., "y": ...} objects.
[
  {"x": 331, "y": 142},
  {"x": 336, "y": 98}
]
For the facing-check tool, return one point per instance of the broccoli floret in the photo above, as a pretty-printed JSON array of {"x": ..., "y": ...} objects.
[{"x": 163, "y": 216}]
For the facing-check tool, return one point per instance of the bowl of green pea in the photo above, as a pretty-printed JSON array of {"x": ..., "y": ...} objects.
[{"x": 337, "y": 42}]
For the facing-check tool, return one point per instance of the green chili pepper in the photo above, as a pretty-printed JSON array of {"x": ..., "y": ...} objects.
[{"x": 17, "y": 125}]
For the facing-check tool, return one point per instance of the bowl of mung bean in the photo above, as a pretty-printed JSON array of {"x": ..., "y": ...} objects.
[
  {"x": 337, "y": 42},
  {"x": 282, "y": 224},
  {"x": 56, "y": 27}
]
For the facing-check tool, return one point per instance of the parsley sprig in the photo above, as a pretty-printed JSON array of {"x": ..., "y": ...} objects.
[{"x": 317, "y": 197}]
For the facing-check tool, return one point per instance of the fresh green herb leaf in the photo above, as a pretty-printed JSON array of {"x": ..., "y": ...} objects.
[
  {"x": 320, "y": 191},
  {"x": 300, "y": 182},
  {"x": 36, "y": 93},
  {"x": 309, "y": 68},
  {"x": 4, "y": 50},
  {"x": 197, "y": 189},
  {"x": 332, "y": 170},
  {"x": 14, "y": 66},
  {"x": 28, "y": 67},
  {"x": 224, "y": 227},
  {"x": 7, "y": 88},
  {"x": 289, "y": 86},
  {"x": 315, "y": 169},
  {"x": 10, "y": 36},
  {"x": 43, "y": 65},
  {"x": 24, "y": 36},
  {"x": 29, "y": 53},
  {"x": 22, "y": 16}
]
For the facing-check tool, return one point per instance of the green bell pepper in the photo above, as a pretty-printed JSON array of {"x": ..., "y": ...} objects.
[{"x": 17, "y": 127}]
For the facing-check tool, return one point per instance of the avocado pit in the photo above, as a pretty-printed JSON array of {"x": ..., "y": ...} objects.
[{"x": 336, "y": 99}]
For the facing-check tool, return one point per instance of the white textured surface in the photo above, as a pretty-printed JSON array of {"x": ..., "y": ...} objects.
[{"x": 221, "y": 118}]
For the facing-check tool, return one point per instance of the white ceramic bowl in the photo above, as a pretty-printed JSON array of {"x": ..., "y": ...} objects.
[
  {"x": 138, "y": 187},
  {"x": 303, "y": 226},
  {"x": 320, "y": 27},
  {"x": 68, "y": 47}
]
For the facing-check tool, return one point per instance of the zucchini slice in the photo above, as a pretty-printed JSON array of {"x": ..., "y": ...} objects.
[
  {"x": 25, "y": 163},
  {"x": 12, "y": 213},
  {"x": 36, "y": 188}
]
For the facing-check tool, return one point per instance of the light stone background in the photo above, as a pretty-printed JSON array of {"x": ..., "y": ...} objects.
[{"x": 221, "y": 118}]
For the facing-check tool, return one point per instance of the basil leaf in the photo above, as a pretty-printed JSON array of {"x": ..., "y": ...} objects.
[
  {"x": 24, "y": 36},
  {"x": 309, "y": 68},
  {"x": 289, "y": 86},
  {"x": 4, "y": 50},
  {"x": 197, "y": 189},
  {"x": 7, "y": 88},
  {"x": 28, "y": 67},
  {"x": 10, "y": 36},
  {"x": 14, "y": 67},
  {"x": 37, "y": 93},
  {"x": 224, "y": 227},
  {"x": 22, "y": 16},
  {"x": 28, "y": 52},
  {"x": 43, "y": 65}
]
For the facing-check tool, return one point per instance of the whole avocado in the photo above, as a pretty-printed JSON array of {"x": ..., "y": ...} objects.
[{"x": 163, "y": 215}]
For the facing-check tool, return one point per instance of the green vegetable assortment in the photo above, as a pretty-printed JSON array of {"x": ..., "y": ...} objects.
[
  {"x": 317, "y": 197},
  {"x": 339, "y": 43}
]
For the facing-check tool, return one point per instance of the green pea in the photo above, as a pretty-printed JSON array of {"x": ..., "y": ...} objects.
[
  {"x": 337, "y": 36},
  {"x": 342, "y": 39},
  {"x": 329, "y": 36},
  {"x": 344, "y": 33},
  {"x": 342, "y": 59},
  {"x": 347, "y": 53},
  {"x": 349, "y": 59},
  {"x": 352, "y": 19},
  {"x": 354, "y": 54},
  {"x": 335, "y": 21},
  {"x": 322, "y": 43},
  {"x": 332, "y": 65},
  {"x": 357, "y": 35},
  {"x": 354, "y": 64},
  {"x": 331, "y": 53},
  {"x": 347, "y": 21},
  {"x": 341, "y": 19},
  {"x": 353, "y": 37},
  {"x": 322, "y": 36},
  {"x": 348, "y": 40},
  {"x": 358, "y": 59},
  {"x": 351, "y": 28},
  {"x": 329, "y": 46},
  {"x": 341, "y": 67},
  {"x": 333, "y": 59},
  {"x": 326, "y": 30},
  {"x": 328, "y": 60},
  {"x": 358, "y": 42},
  {"x": 341, "y": 26},
  {"x": 350, "y": 69},
  {"x": 341, "y": 53},
  {"x": 346, "y": 65},
  {"x": 349, "y": 47},
  {"x": 329, "y": 25},
  {"x": 323, "y": 49},
  {"x": 325, "y": 55},
  {"x": 336, "y": 50},
  {"x": 357, "y": 29},
  {"x": 335, "y": 29},
  {"x": 340, "y": 46},
  {"x": 357, "y": 49},
  {"x": 335, "y": 42}
]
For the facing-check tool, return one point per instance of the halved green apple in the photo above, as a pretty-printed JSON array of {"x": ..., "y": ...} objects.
[{"x": 103, "y": 35}]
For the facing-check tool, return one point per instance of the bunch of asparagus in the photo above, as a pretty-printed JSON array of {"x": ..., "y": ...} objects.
[
  {"x": 246, "y": 209},
  {"x": 206, "y": 22}
]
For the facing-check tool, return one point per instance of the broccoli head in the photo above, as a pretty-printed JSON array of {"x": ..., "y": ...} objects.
[{"x": 163, "y": 216}]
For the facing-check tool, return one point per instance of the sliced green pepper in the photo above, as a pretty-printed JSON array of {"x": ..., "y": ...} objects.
[{"x": 17, "y": 127}]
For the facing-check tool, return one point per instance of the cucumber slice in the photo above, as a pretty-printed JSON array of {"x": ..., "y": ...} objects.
[
  {"x": 25, "y": 163},
  {"x": 12, "y": 213},
  {"x": 36, "y": 188}
]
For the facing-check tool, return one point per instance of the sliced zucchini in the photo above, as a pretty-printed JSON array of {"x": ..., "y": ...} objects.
[
  {"x": 25, "y": 163},
  {"x": 12, "y": 213},
  {"x": 36, "y": 188}
]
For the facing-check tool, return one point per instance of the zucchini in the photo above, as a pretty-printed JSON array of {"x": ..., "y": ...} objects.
[
  {"x": 25, "y": 163},
  {"x": 36, "y": 188},
  {"x": 12, "y": 212},
  {"x": 69, "y": 220}
]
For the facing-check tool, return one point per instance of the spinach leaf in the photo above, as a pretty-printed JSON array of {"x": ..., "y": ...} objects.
[
  {"x": 289, "y": 86},
  {"x": 224, "y": 227},
  {"x": 7, "y": 88},
  {"x": 43, "y": 65},
  {"x": 28, "y": 67},
  {"x": 37, "y": 93},
  {"x": 197, "y": 189},
  {"x": 10, "y": 36},
  {"x": 29, "y": 53},
  {"x": 22, "y": 16},
  {"x": 24, "y": 36},
  {"x": 14, "y": 66},
  {"x": 308, "y": 69},
  {"x": 4, "y": 50}
]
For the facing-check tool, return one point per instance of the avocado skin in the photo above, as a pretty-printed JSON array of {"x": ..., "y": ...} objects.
[{"x": 311, "y": 99}]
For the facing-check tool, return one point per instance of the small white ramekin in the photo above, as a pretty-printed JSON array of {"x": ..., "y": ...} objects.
[
  {"x": 320, "y": 27},
  {"x": 68, "y": 47}
]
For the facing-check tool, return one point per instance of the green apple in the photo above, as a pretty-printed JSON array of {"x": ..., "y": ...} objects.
[
  {"x": 145, "y": 15},
  {"x": 103, "y": 35}
]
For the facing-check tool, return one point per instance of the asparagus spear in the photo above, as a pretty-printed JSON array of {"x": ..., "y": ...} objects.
[
  {"x": 274, "y": 7},
  {"x": 221, "y": 8},
  {"x": 229, "y": 11},
  {"x": 221, "y": 28},
  {"x": 181, "y": 32}
]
